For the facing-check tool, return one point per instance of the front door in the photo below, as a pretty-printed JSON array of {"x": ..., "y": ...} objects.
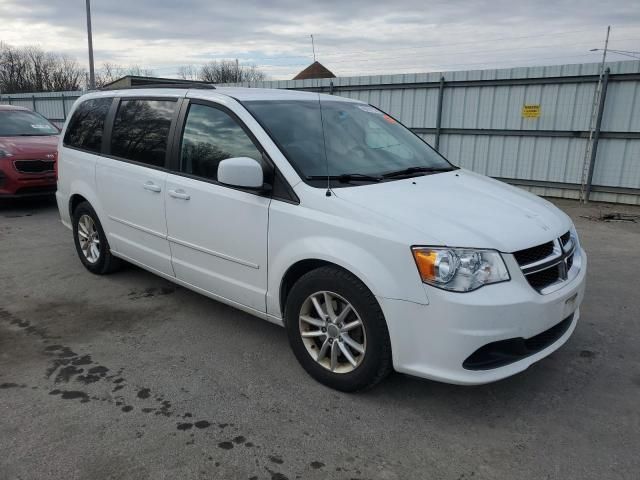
[{"x": 218, "y": 234}]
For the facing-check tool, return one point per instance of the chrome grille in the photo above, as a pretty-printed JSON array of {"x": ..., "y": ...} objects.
[{"x": 548, "y": 265}]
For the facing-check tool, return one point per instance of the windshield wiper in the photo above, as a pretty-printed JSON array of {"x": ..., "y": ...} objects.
[
  {"x": 413, "y": 170},
  {"x": 347, "y": 177}
]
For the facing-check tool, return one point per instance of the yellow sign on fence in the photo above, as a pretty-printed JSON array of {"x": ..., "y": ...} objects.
[{"x": 530, "y": 110}]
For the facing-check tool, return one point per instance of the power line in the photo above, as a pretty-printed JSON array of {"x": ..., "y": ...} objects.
[
  {"x": 472, "y": 42},
  {"x": 443, "y": 67},
  {"x": 468, "y": 53},
  {"x": 413, "y": 47},
  {"x": 471, "y": 53},
  {"x": 392, "y": 61},
  {"x": 386, "y": 63},
  {"x": 431, "y": 45}
]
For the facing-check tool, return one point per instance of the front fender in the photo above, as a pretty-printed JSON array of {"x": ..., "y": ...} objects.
[{"x": 383, "y": 270}]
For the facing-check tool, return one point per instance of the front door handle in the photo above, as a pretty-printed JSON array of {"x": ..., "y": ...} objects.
[
  {"x": 181, "y": 194},
  {"x": 152, "y": 187}
]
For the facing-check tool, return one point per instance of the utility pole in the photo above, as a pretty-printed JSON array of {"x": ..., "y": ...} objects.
[
  {"x": 313, "y": 47},
  {"x": 92, "y": 75},
  {"x": 237, "y": 71},
  {"x": 588, "y": 165}
]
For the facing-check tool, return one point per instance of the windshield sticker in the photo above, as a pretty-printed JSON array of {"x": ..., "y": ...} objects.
[
  {"x": 41, "y": 126},
  {"x": 389, "y": 119},
  {"x": 369, "y": 109}
]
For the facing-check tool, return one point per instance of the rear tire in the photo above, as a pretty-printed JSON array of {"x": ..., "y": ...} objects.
[
  {"x": 337, "y": 330},
  {"x": 91, "y": 242}
]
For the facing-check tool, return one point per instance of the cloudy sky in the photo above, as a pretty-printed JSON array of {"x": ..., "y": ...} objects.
[{"x": 353, "y": 37}]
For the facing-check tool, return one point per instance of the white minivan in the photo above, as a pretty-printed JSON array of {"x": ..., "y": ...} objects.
[{"x": 326, "y": 216}]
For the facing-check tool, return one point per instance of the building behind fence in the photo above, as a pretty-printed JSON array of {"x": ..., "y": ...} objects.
[{"x": 528, "y": 126}]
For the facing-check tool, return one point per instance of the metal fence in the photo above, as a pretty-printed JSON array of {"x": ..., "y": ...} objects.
[
  {"x": 53, "y": 105},
  {"x": 528, "y": 126}
]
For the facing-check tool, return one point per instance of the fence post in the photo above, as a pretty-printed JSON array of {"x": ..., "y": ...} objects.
[
  {"x": 596, "y": 135},
  {"x": 33, "y": 102},
  {"x": 64, "y": 108},
  {"x": 439, "y": 117}
]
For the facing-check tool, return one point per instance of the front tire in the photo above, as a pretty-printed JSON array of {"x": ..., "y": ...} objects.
[
  {"x": 91, "y": 242},
  {"x": 337, "y": 330}
]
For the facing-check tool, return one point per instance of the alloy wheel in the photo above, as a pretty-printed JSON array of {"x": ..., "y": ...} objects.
[
  {"x": 89, "y": 238},
  {"x": 332, "y": 332}
]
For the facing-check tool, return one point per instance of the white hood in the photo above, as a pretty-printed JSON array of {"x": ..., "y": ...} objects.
[{"x": 462, "y": 209}]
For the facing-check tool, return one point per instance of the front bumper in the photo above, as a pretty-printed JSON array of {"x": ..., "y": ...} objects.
[
  {"x": 16, "y": 184},
  {"x": 433, "y": 341}
]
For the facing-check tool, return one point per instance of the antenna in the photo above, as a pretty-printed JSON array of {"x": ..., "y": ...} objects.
[{"x": 324, "y": 141}]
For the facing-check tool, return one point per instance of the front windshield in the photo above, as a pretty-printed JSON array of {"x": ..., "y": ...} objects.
[
  {"x": 359, "y": 139},
  {"x": 20, "y": 123}
]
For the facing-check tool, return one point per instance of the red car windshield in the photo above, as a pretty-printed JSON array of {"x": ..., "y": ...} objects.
[{"x": 22, "y": 123}]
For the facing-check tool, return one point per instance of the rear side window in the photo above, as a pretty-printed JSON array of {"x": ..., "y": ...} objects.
[
  {"x": 210, "y": 136},
  {"x": 87, "y": 125},
  {"x": 141, "y": 130}
]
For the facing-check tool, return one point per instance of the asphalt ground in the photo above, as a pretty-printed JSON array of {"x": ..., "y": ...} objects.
[{"x": 129, "y": 376}]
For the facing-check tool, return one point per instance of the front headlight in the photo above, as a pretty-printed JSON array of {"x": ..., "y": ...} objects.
[
  {"x": 459, "y": 269},
  {"x": 4, "y": 153},
  {"x": 574, "y": 234}
]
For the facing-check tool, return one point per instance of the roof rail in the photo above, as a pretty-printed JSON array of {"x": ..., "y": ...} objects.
[{"x": 205, "y": 86}]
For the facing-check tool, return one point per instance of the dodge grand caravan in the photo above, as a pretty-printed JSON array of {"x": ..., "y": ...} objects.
[{"x": 326, "y": 216}]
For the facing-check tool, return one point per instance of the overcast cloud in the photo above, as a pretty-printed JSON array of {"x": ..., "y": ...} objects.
[{"x": 352, "y": 37}]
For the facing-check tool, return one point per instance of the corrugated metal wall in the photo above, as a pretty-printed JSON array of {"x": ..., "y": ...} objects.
[
  {"x": 53, "y": 105},
  {"x": 482, "y": 127}
]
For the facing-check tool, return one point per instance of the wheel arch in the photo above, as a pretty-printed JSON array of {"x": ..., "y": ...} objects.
[
  {"x": 75, "y": 200},
  {"x": 296, "y": 271},
  {"x": 390, "y": 273},
  {"x": 82, "y": 191}
]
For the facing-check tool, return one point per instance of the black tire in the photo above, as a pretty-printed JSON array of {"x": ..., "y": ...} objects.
[
  {"x": 376, "y": 363},
  {"x": 106, "y": 263}
]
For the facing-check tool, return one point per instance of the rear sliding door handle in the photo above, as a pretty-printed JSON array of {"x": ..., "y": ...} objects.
[
  {"x": 152, "y": 187},
  {"x": 181, "y": 194}
]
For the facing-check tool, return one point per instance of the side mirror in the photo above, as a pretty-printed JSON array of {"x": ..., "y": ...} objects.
[{"x": 242, "y": 172}]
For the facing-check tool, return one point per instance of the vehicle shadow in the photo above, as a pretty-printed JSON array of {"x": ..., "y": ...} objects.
[
  {"x": 545, "y": 386},
  {"x": 27, "y": 206}
]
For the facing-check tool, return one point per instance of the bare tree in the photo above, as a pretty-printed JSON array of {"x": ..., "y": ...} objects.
[
  {"x": 69, "y": 75},
  {"x": 31, "y": 69},
  {"x": 229, "y": 71},
  {"x": 106, "y": 73},
  {"x": 188, "y": 72},
  {"x": 110, "y": 72},
  {"x": 138, "y": 71}
]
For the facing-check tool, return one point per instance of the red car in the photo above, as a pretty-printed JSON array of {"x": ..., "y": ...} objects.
[{"x": 28, "y": 153}]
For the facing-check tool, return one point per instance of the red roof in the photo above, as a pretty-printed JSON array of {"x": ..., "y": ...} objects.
[{"x": 315, "y": 70}]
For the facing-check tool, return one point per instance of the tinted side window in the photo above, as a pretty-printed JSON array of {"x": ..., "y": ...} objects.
[
  {"x": 211, "y": 135},
  {"x": 87, "y": 124},
  {"x": 141, "y": 130}
]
